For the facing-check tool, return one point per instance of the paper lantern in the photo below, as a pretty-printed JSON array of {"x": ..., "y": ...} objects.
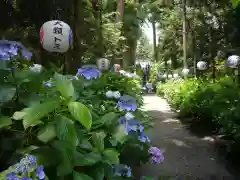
[
  {"x": 185, "y": 71},
  {"x": 56, "y": 36},
  {"x": 233, "y": 61},
  {"x": 117, "y": 67},
  {"x": 103, "y": 64},
  {"x": 175, "y": 75},
  {"x": 170, "y": 76},
  {"x": 202, "y": 65}
]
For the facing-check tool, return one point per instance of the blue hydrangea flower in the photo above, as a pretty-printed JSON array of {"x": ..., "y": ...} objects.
[
  {"x": 143, "y": 137},
  {"x": 129, "y": 125},
  {"x": 156, "y": 155},
  {"x": 127, "y": 103},
  {"x": 122, "y": 170},
  {"x": 12, "y": 176},
  {"x": 25, "y": 163},
  {"x": 48, "y": 83},
  {"x": 89, "y": 72},
  {"x": 40, "y": 172},
  {"x": 10, "y": 49}
]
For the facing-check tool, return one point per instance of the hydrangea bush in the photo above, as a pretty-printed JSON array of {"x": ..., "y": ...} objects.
[{"x": 83, "y": 126}]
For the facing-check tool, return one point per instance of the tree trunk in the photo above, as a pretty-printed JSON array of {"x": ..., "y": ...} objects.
[
  {"x": 155, "y": 53},
  {"x": 120, "y": 11},
  {"x": 185, "y": 65}
]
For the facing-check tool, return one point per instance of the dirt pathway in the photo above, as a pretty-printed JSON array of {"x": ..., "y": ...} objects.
[{"x": 186, "y": 156}]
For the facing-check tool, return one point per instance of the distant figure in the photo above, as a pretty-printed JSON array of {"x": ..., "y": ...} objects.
[{"x": 149, "y": 87}]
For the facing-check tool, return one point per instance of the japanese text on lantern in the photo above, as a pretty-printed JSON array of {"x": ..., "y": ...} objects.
[{"x": 58, "y": 31}]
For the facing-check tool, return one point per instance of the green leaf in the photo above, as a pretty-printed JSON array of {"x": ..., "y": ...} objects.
[
  {"x": 7, "y": 93},
  {"x": 111, "y": 156},
  {"x": 66, "y": 130},
  {"x": 86, "y": 159},
  {"x": 81, "y": 113},
  {"x": 5, "y": 121},
  {"x": 98, "y": 173},
  {"x": 81, "y": 176},
  {"x": 64, "y": 86},
  {"x": 66, "y": 150},
  {"x": 19, "y": 115},
  {"x": 120, "y": 135},
  {"x": 98, "y": 140},
  {"x": 47, "y": 133},
  {"x": 38, "y": 111},
  {"x": 109, "y": 118}
]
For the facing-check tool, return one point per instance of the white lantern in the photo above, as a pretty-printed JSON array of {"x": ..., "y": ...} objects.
[
  {"x": 56, "y": 36},
  {"x": 175, "y": 75},
  {"x": 170, "y": 76},
  {"x": 165, "y": 75},
  {"x": 103, "y": 64},
  {"x": 233, "y": 61},
  {"x": 202, "y": 65},
  {"x": 185, "y": 71},
  {"x": 117, "y": 67}
]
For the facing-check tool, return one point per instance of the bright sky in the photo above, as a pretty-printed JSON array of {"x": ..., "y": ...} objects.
[{"x": 147, "y": 29}]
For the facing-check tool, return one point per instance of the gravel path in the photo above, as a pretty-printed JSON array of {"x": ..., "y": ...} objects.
[{"x": 186, "y": 156}]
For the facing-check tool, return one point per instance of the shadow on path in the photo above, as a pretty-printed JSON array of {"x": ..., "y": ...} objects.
[{"x": 186, "y": 156}]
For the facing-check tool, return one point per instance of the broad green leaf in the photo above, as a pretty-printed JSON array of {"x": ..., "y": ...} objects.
[
  {"x": 38, "y": 111},
  {"x": 19, "y": 115},
  {"x": 81, "y": 113},
  {"x": 120, "y": 135},
  {"x": 86, "y": 159},
  {"x": 109, "y": 118},
  {"x": 5, "y": 121},
  {"x": 98, "y": 140},
  {"x": 64, "y": 86},
  {"x": 66, "y": 150},
  {"x": 98, "y": 173},
  {"x": 111, "y": 156},
  {"x": 81, "y": 176},
  {"x": 47, "y": 133},
  {"x": 66, "y": 130},
  {"x": 3, "y": 65},
  {"x": 7, "y": 93}
]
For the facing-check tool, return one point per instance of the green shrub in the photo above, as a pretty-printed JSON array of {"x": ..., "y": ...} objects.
[
  {"x": 69, "y": 123},
  {"x": 206, "y": 101}
]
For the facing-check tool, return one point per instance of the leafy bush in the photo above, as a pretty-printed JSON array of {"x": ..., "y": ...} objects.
[
  {"x": 206, "y": 101},
  {"x": 87, "y": 126}
]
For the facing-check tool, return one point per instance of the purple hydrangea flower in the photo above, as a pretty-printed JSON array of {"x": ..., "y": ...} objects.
[
  {"x": 127, "y": 103},
  {"x": 156, "y": 155},
  {"x": 40, "y": 172},
  {"x": 89, "y": 72},
  {"x": 12, "y": 176},
  {"x": 10, "y": 49}
]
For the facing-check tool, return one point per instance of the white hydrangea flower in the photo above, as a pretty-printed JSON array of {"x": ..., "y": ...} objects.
[
  {"x": 129, "y": 116},
  {"x": 36, "y": 68},
  {"x": 109, "y": 94},
  {"x": 116, "y": 94}
]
